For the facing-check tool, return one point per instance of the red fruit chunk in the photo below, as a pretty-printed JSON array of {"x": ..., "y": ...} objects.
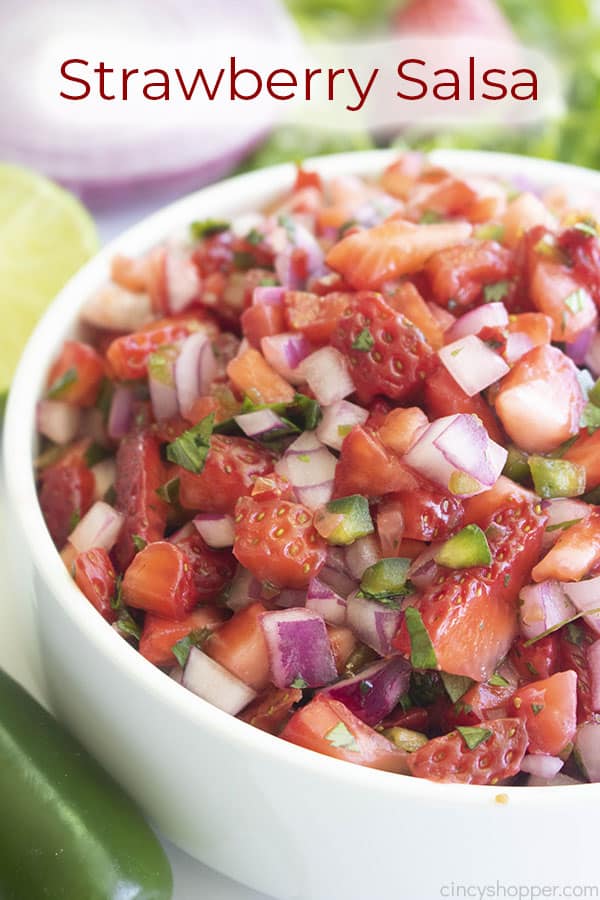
[
  {"x": 539, "y": 660},
  {"x": 76, "y": 375},
  {"x": 367, "y": 467},
  {"x": 549, "y": 710},
  {"x": 239, "y": 645},
  {"x": 211, "y": 569},
  {"x": 457, "y": 275},
  {"x": 315, "y": 316},
  {"x": 66, "y": 494},
  {"x": 159, "y": 634},
  {"x": 428, "y": 512},
  {"x": 96, "y": 578},
  {"x": 271, "y": 710},
  {"x": 160, "y": 580},
  {"x": 442, "y": 396}
]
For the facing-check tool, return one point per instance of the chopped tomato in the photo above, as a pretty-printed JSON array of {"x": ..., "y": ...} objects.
[
  {"x": 458, "y": 274},
  {"x": 408, "y": 301},
  {"x": 316, "y": 316},
  {"x": 537, "y": 327},
  {"x": 251, "y": 374},
  {"x": 556, "y": 293},
  {"x": 538, "y": 660},
  {"x": 327, "y": 726},
  {"x": 272, "y": 710},
  {"x": 574, "y": 555},
  {"x": 262, "y": 320},
  {"x": 549, "y": 710},
  {"x": 159, "y": 635},
  {"x": 443, "y": 397},
  {"x": 66, "y": 494},
  {"x": 76, "y": 375},
  {"x": 367, "y": 467},
  {"x": 401, "y": 428},
  {"x": 96, "y": 578},
  {"x": 160, "y": 580},
  {"x": 543, "y": 384},
  {"x": 128, "y": 355},
  {"x": 586, "y": 452},
  {"x": 343, "y": 644},
  {"x": 240, "y": 647}
]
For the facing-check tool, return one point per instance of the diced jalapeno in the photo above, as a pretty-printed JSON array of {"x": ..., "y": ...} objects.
[
  {"x": 556, "y": 477},
  {"x": 467, "y": 548},
  {"x": 516, "y": 466},
  {"x": 345, "y": 520},
  {"x": 386, "y": 578},
  {"x": 405, "y": 738}
]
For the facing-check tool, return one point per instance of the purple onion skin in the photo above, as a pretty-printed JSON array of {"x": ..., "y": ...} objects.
[
  {"x": 299, "y": 648},
  {"x": 373, "y": 693}
]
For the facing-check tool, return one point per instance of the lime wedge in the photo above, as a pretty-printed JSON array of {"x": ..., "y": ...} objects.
[{"x": 45, "y": 236}]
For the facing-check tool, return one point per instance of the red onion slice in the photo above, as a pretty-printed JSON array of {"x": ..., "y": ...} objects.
[
  {"x": 288, "y": 598},
  {"x": 215, "y": 530},
  {"x": 424, "y": 570},
  {"x": 120, "y": 417},
  {"x": 326, "y": 373},
  {"x": 585, "y": 595},
  {"x": 472, "y": 364},
  {"x": 99, "y": 527},
  {"x": 309, "y": 466},
  {"x": 373, "y": 693},
  {"x": 299, "y": 648},
  {"x": 195, "y": 369},
  {"x": 578, "y": 349},
  {"x": 338, "y": 420},
  {"x": 268, "y": 295},
  {"x": 543, "y": 606},
  {"x": 296, "y": 237},
  {"x": 244, "y": 590},
  {"x": 489, "y": 315},
  {"x": 541, "y": 766},
  {"x": 562, "y": 510},
  {"x": 517, "y": 345},
  {"x": 284, "y": 352},
  {"x": 361, "y": 554},
  {"x": 587, "y": 747},
  {"x": 58, "y": 421},
  {"x": 164, "y": 399},
  {"x": 259, "y": 423},
  {"x": 372, "y": 623},
  {"x": 209, "y": 680},
  {"x": 322, "y": 599}
]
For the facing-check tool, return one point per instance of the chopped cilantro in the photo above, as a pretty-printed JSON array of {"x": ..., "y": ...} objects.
[
  {"x": 117, "y": 600},
  {"x": 255, "y": 237},
  {"x": 243, "y": 260},
  {"x": 456, "y": 351},
  {"x": 506, "y": 580},
  {"x": 430, "y": 217},
  {"x": 268, "y": 281},
  {"x": 196, "y": 637},
  {"x": 138, "y": 542},
  {"x": 288, "y": 223},
  {"x": 208, "y": 228},
  {"x": 74, "y": 520},
  {"x": 346, "y": 227},
  {"x": 532, "y": 669},
  {"x": 299, "y": 683},
  {"x": 191, "y": 449},
  {"x": 169, "y": 491},
  {"x": 579, "y": 615},
  {"x": 498, "y": 680},
  {"x": 110, "y": 496},
  {"x": 587, "y": 227},
  {"x": 456, "y": 685},
  {"x": 363, "y": 341},
  {"x": 576, "y": 301},
  {"x": 64, "y": 381},
  {"x": 95, "y": 453},
  {"x": 493, "y": 293},
  {"x": 575, "y": 633},
  {"x": 340, "y": 736},
  {"x": 562, "y": 525},
  {"x": 104, "y": 398},
  {"x": 422, "y": 654},
  {"x": 127, "y": 626},
  {"x": 537, "y": 708},
  {"x": 473, "y": 735},
  {"x": 303, "y": 414}
]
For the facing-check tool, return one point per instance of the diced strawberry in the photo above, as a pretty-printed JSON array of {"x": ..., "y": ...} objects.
[
  {"x": 239, "y": 645},
  {"x": 211, "y": 569},
  {"x": 537, "y": 327},
  {"x": 128, "y": 355},
  {"x": 387, "y": 354},
  {"x": 66, "y": 494},
  {"x": 262, "y": 320},
  {"x": 538, "y": 660},
  {"x": 254, "y": 377},
  {"x": 140, "y": 472},
  {"x": 278, "y": 542},
  {"x": 480, "y": 508},
  {"x": 444, "y": 397},
  {"x": 159, "y": 635},
  {"x": 401, "y": 427},
  {"x": 548, "y": 708},
  {"x": 407, "y": 300},
  {"x": 366, "y": 467},
  {"x": 316, "y": 316},
  {"x": 585, "y": 451},
  {"x": 543, "y": 386},
  {"x": 371, "y": 257},
  {"x": 471, "y": 615},
  {"x": 574, "y": 555},
  {"x": 583, "y": 251},
  {"x": 457, "y": 275},
  {"x": 556, "y": 293},
  {"x": 76, "y": 375},
  {"x": 272, "y": 710},
  {"x": 574, "y": 641},
  {"x": 343, "y": 644},
  {"x": 429, "y": 513},
  {"x": 400, "y": 176},
  {"x": 526, "y": 211},
  {"x": 230, "y": 470},
  {"x": 159, "y": 580},
  {"x": 96, "y": 578}
]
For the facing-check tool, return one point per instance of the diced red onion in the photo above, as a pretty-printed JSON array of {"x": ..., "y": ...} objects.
[
  {"x": 284, "y": 352},
  {"x": 58, "y": 421},
  {"x": 541, "y": 766},
  {"x": 268, "y": 295},
  {"x": 592, "y": 357},
  {"x": 472, "y": 364},
  {"x": 120, "y": 417},
  {"x": 587, "y": 747},
  {"x": 299, "y": 647},
  {"x": 322, "y": 599},
  {"x": 99, "y": 527},
  {"x": 373, "y": 693},
  {"x": 244, "y": 590},
  {"x": 211, "y": 681},
  {"x": 466, "y": 448},
  {"x": 517, "y": 345},
  {"x": 578, "y": 349},
  {"x": 308, "y": 464},
  {"x": 164, "y": 399},
  {"x": 301, "y": 239},
  {"x": 315, "y": 495},
  {"x": 559, "y": 510},
  {"x": 182, "y": 280},
  {"x": 104, "y": 473},
  {"x": 338, "y": 419},
  {"x": 373, "y": 623},
  {"x": 335, "y": 572},
  {"x": 361, "y": 554},
  {"x": 489, "y": 315},
  {"x": 195, "y": 369},
  {"x": 289, "y": 597},
  {"x": 424, "y": 570},
  {"x": 585, "y": 595},
  {"x": 543, "y": 605},
  {"x": 326, "y": 373},
  {"x": 593, "y": 661},
  {"x": 215, "y": 530},
  {"x": 261, "y": 422}
]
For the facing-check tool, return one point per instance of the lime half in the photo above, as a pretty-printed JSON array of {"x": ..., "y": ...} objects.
[{"x": 45, "y": 236}]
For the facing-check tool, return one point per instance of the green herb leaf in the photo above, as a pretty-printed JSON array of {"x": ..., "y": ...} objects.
[
  {"x": 473, "y": 736},
  {"x": 138, "y": 542},
  {"x": 74, "y": 520},
  {"x": 169, "y": 491},
  {"x": 196, "y": 637},
  {"x": 586, "y": 227},
  {"x": 559, "y": 625},
  {"x": 95, "y": 453},
  {"x": 562, "y": 525},
  {"x": 537, "y": 708},
  {"x": 117, "y": 600},
  {"x": 575, "y": 633},
  {"x": 207, "y": 228},
  {"x": 303, "y": 414},
  {"x": 299, "y": 683},
  {"x": 498, "y": 680},
  {"x": 127, "y": 626},
  {"x": 456, "y": 685},
  {"x": 495, "y": 292},
  {"x": 255, "y": 237},
  {"x": 58, "y": 387},
  {"x": 363, "y": 341},
  {"x": 191, "y": 449},
  {"x": 422, "y": 654},
  {"x": 340, "y": 736},
  {"x": 430, "y": 217},
  {"x": 104, "y": 398}
]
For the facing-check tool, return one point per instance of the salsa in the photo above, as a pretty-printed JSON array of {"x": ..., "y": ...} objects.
[{"x": 333, "y": 466}]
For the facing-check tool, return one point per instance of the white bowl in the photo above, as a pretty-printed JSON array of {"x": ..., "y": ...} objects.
[{"x": 275, "y": 816}]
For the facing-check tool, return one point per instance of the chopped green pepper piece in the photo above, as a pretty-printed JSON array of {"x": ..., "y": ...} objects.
[
  {"x": 386, "y": 578},
  {"x": 556, "y": 477},
  {"x": 405, "y": 738},
  {"x": 594, "y": 394},
  {"x": 354, "y": 519},
  {"x": 467, "y": 548},
  {"x": 516, "y": 466}
]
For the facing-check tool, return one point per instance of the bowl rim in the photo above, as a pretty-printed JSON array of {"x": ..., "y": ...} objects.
[{"x": 237, "y": 194}]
